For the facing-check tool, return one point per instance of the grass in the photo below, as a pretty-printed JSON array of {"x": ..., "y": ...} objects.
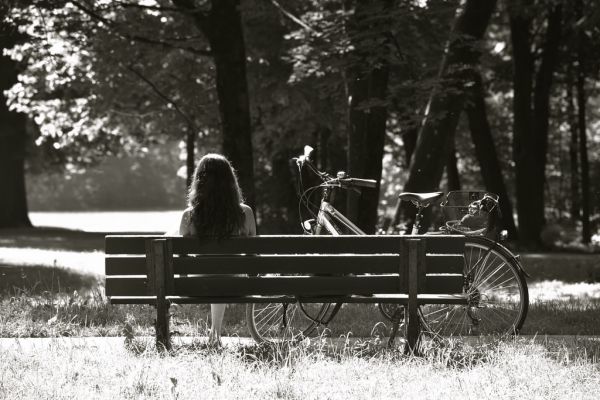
[
  {"x": 505, "y": 370},
  {"x": 55, "y": 302},
  {"x": 52, "y": 302}
]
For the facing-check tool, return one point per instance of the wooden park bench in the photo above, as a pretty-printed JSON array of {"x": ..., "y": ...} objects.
[{"x": 407, "y": 270}]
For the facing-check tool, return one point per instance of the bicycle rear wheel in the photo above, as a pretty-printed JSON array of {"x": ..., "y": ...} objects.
[
  {"x": 277, "y": 322},
  {"x": 497, "y": 295}
]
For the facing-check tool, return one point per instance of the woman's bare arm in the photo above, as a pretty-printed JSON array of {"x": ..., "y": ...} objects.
[
  {"x": 249, "y": 221},
  {"x": 185, "y": 226}
]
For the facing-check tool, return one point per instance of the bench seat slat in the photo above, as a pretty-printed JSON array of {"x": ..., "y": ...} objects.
[
  {"x": 395, "y": 299},
  {"x": 391, "y": 298},
  {"x": 132, "y": 300}
]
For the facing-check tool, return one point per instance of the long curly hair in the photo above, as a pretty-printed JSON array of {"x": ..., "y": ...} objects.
[{"x": 215, "y": 198}]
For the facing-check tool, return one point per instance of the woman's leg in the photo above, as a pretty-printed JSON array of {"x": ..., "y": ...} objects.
[{"x": 217, "y": 311}]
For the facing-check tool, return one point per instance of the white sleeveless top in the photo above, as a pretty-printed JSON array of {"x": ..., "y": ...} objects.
[{"x": 186, "y": 228}]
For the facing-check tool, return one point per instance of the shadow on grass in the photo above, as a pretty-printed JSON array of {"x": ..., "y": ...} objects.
[
  {"x": 569, "y": 349},
  {"x": 58, "y": 238},
  {"x": 577, "y": 316},
  {"x": 40, "y": 280}
]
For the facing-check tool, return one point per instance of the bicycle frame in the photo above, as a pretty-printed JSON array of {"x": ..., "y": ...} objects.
[{"x": 327, "y": 213}]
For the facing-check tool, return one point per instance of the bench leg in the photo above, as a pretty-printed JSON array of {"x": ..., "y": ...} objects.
[
  {"x": 163, "y": 336},
  {"x": 415, "y": 259},
  {"x": 161, "y": 255},
  {"x": 413, "y": 335}
]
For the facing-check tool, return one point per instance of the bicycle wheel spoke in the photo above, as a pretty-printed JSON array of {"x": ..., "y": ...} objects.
[
  {"x": 496, "y": 295},
  {"x": 266, "y": 321}
]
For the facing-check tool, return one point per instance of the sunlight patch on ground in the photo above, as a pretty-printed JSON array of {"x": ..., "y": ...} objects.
[
  {"x": 84, "y": 262},
  {"x": 109, "y": 221},
  {"x": 558, "y": 290}
]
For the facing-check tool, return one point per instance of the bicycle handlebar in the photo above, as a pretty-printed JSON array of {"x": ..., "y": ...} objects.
[
  {"x": 367, "y": 183},
  {"x": 331, "y": 181}
]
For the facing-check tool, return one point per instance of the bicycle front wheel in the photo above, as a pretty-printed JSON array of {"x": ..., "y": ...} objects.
[
  {"x": 496, "y": 291},
  {"x": 277, "y": 322}
]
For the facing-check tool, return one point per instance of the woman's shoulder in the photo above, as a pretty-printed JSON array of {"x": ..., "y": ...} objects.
[
  {"x": 249, "y": 228},
  {"x": 186, "y": 227},
  {"x": 187, "y": 213}
]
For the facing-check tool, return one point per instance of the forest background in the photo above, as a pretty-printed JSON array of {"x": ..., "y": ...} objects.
[{"x": 108, "y": 104}]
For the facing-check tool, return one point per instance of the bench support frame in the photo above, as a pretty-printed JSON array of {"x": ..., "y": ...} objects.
[{"x": 160, "y": 289}]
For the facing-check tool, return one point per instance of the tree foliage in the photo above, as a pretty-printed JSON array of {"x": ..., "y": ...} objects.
[{"x": 122, "y": 77}]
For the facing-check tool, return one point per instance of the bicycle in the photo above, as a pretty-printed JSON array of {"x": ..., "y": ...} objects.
[{"x": 494, "y": 279}]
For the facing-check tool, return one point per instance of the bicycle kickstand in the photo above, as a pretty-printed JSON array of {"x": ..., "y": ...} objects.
[
  {"x": 397, "y": 317},
  {"x": 395, "y": 326}
]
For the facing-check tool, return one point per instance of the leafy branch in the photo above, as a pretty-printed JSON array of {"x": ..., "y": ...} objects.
[
  {"x": 137, "y": 38},
  {"x": 163, "y": 96}
]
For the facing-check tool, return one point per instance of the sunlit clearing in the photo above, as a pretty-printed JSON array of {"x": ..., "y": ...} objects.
[{"x": 558, "y": 290}]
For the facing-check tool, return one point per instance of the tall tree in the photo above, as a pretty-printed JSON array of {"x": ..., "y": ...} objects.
[
  {"x": 446, "y": 102},
  {"x": 368, "y": 83},
  {"x": 452, "y": 175},
  {"x": 573, "y": 146},
  {"x": 586, "y": 233},
  {"x": 222, "y": 26},
  {"x": 485, "y": 151},
  {"x": 531, "y": 108},
  {"x": 13, "y": 202}
]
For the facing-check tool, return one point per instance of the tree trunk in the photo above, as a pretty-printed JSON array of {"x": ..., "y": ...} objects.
[
  {"x": 439, "y": 126},
  {"x": 452, "y": 176},
  {"x": 190, "y": 149},
  {"x": 409, "y": 140},
  {"x": 573, "y": 147},
  {"x": 227, "y": 43},
  {"x": 367, "y": 123},
  {"x": 13, "y": 201},
  {"x": 586, "y": 233},
  {"x": 222, "y": 26},
  {"x": 445, "y": 105},
  {"x": 523, "y": 69},
  {"x": 324, "y": 134},
  {"x": 531, "y": 115},
  {"x": 365, "y": 145},
  {"x": 486, "y": 154}
]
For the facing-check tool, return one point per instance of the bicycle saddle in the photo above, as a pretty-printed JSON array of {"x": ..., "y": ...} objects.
[{"x": 422, "y": 199}]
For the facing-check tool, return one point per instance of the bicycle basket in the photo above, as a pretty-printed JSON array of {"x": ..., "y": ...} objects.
[{"x": 471, "y": 213}]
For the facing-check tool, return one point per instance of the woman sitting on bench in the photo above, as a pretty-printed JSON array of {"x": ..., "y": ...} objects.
[{"x": 216, "y": 210}]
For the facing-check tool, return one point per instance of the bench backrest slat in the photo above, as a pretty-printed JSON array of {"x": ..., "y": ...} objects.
[
  {"x": 284, "y": 245},
  {"x": 283, "y": 285},
  {"x": 314, "y": 264},
  {"x": 130, "y": 273}
]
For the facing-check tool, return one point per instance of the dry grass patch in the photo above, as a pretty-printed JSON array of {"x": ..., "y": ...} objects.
[{"x": 514, "y": 369}]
